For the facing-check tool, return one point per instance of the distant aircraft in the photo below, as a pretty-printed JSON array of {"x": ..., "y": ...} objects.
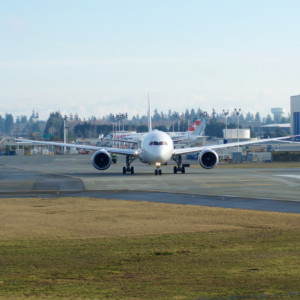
[
  {"x": 155, "y": 148},
  {"x": 194, "y": 132}
]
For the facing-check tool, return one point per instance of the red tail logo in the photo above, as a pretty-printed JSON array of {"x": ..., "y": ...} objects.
[{"x": 194, "y": 126}]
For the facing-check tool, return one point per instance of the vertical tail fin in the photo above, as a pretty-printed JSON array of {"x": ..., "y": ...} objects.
[
  {"x": 149, "y": 115},
  {"x": 194, "y": 126},
  {"x": 199, "y": 130}
]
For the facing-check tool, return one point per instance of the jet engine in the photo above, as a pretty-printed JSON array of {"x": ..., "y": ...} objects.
[
  {"x": 208, "y": 159},
  {"x": 101, "y": 160}
]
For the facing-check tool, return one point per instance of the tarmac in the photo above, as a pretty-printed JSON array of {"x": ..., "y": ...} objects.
[{"x": 268, "y": 189}]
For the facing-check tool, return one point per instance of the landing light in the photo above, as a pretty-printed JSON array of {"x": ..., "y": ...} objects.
[{"x": 158, "y": 164}]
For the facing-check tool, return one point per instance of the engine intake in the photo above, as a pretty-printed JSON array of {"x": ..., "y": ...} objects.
[
  {"x": 101, "y": 160},
  {"x": 208, "y": 159}
]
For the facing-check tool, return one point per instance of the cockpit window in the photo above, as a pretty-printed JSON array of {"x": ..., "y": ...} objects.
[{"x": 155, "y": 143}]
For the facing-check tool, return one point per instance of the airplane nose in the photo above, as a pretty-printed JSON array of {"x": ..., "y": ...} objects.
[{"x": 161, "y": 154}]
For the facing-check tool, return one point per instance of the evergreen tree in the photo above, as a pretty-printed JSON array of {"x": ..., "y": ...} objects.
[
  {"x": 187, "y": 114},
  {"x": 55, "y": 126},
  {"x": 214, "y": 128},
  {"x": 76, "y": 118},
  {"x": 1, "y": 124},
  {"x": 249, "y": 118},
  {"x": 257, "y": 118},
  {"x": 8, "y": 123},
  {"x": 23, "y": 119},
  {"x": 156, "y": 116},
  {"x": 269, "y": 119},
  {"x": 193, "y": 115}
]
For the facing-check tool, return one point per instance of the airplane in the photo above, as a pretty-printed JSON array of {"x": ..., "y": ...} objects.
[
  {"x": 195, "y": 131},
  {"x": 155, "y": 148}
]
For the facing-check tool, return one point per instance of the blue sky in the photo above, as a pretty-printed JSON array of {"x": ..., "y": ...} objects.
[{"x": 95, "y": 57}]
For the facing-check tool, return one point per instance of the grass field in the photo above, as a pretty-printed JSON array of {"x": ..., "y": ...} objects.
[{"x": 110, "y": 249}]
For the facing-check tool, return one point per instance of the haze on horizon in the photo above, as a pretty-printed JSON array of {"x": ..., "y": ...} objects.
[{"x": 100, "y": 57}]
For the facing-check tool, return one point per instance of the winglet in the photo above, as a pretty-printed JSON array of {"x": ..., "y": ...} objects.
[{"x": 149, "y": 115}]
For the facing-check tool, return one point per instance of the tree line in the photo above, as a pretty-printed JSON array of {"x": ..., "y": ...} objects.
[{"x": 53, "y": 127}]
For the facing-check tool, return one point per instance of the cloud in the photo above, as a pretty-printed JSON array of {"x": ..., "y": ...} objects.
[{"x": 14, "y": 24}]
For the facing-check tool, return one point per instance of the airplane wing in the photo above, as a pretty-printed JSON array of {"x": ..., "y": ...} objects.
[
  {"x": 290, "y": 142},
  {"x": 87, "y": 147},
  {"x": 184, "y": 137},
  {"x": 123, "y": 141},
  {"x": 222, "y": 146}
]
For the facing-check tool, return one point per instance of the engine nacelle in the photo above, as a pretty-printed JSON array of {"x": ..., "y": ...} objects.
[
  {"x": 101, "y": 160},
  {"x": 208, "y": 159}
]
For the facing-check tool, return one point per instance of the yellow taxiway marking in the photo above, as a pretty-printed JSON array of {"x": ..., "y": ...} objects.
[
  {"x": 227, "y": 180},
  {"x": 236, "y": 184}
]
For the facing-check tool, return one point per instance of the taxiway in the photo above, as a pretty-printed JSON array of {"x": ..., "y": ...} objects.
[{"x": 274, "y": 189}]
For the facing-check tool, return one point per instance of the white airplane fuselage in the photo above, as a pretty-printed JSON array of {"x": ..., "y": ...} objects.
[{"x": 156, "y": 148}]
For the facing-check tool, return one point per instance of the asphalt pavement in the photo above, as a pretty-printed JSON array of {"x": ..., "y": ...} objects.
[{"x": 268, "y": 189}]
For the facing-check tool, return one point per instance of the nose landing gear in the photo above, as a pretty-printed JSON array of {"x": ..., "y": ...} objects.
[{"x": 158, "y": 169}]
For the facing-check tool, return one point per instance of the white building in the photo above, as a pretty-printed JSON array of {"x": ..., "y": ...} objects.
[
  {"x": 295, "y": 114},
  {"x": 230, "y": 134}
]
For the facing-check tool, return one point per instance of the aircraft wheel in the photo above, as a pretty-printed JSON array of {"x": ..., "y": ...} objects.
[
  {"x": 175, "y": 170},
  {"x": 155, "y": 172},
  {"x": 159, "y": 172},
  {"x": 124, "y": 170},
  {"x": 132, "y": 170},
  {"x": 183, "y": 170}
]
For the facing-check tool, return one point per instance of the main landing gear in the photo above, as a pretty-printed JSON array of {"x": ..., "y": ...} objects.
[
  {"x": 129, "y": 160},
  {"x": 157, "y": 172},
  {"x": 180, "y": 167}
]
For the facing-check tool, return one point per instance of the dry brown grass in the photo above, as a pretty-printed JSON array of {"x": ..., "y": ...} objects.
[
  {"x": 86, "y": 248},
  {"x": 71, "y": 218}
]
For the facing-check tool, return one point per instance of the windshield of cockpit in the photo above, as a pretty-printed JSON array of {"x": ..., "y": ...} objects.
[{"x": 161, "y": 143}]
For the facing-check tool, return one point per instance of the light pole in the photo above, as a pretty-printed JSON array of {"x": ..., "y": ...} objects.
[
  {"x": 188, "y": 130},
  {"x": 205, "y": 114},
  {"x": 182, "y": 118},
  {"x": 65, "y": 132},
  {"x": 174, "y": 119},
  {"x": 120, "y": 118},
  {"x": 237, "y": 112},
  {"x": 119, "y": 132},
  {"x": 124, "y": 117},
  {"x": 114, "y": 118},
  {"x": 225, "y": 113}
]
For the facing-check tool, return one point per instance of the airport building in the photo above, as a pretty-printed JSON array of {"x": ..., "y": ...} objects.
[
  {"x": 275, "y": 129},
  {"x": 234, "y": 134},
  {"x": 295, "y": 114}
]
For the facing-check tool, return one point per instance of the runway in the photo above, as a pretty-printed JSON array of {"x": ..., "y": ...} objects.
[{"x": 267, "y": 189}]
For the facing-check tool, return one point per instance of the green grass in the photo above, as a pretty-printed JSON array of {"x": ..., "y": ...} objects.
[{"x": 171, "y": 266}]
